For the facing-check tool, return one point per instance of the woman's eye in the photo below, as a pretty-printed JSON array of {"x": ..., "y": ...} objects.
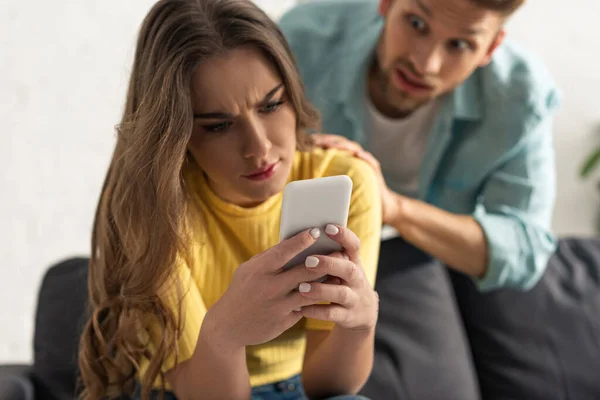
[
  {"x": 417, "y": 23},
  {"x": 271, "y": 107},
  {"x": 216, "y": 128}
]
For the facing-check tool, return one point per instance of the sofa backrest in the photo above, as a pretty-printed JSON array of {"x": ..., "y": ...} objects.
[{"x": 60, "y": 315}]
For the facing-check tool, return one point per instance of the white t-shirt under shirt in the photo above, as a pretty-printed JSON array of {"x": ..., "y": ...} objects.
[{"x": 399, "y": 145}]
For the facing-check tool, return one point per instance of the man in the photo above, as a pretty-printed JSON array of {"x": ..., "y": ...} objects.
[{"x": 457, "y": 121}]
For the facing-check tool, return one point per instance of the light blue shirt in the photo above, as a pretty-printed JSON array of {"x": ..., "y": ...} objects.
[{"x": 490, "y": 152}]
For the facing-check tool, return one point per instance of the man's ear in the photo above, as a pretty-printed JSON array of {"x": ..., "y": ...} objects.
[
  {"x": 495, "y": 43},
  {"x": 384, "y": 7}
]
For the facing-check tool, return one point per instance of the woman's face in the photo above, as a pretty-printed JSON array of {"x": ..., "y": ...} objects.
[{"x": 244, "y": 135}]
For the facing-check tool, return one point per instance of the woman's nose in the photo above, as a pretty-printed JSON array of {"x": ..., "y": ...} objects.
[{"x": 257, "y": 143}]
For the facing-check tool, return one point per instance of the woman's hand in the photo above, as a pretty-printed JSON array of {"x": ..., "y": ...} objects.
[
  {"x": 261, "y": 300},
  {"x": 354, "y": 304},
  {"x": 389, "y": 199}
]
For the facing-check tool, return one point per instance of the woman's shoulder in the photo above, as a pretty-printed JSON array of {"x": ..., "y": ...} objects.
[{"x": 318, "y": 163}]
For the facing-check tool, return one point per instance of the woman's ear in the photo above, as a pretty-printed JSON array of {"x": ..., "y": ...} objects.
[
  {"x": 384, "y": 7},
  {"x": 495, "y": 44}
]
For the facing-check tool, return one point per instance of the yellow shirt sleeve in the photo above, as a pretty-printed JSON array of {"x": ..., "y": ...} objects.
[
  {"x": 181, "y": 295},
  {"x": 364, "y": 217}
]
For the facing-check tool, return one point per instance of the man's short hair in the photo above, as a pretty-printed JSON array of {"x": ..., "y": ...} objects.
[{"x": 503, "y": 6}]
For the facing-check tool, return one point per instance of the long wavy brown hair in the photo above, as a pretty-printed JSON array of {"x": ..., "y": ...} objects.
[{"x": 141, "y": 224}]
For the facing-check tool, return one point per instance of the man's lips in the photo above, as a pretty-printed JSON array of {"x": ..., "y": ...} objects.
[{"x": 407, "y": 81}]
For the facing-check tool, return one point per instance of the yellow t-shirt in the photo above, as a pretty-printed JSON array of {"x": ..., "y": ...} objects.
[{"x": 234, "y": 234}]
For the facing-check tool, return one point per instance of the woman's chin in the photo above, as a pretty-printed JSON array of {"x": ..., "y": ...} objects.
[
  {"x": 266, "y": 193},
  {"x": 259, "y": 191}
]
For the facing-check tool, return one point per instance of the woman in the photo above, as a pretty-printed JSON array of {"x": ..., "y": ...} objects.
[{"x": 186, "y": 283}]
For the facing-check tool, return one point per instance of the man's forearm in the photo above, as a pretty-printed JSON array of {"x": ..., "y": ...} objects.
[
  {"x": 456, "y": 240},
  {"x": 341, "y": 365}
]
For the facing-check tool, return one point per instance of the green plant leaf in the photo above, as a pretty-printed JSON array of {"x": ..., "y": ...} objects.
[{"x": 590, "y": 163}]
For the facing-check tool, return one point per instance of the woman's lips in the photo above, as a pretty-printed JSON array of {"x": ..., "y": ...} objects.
[{"x": 263, "y": 173}]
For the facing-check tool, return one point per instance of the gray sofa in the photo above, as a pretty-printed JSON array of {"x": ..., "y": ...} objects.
[
  {"x": 61, "y": 310},
  {"x": 543, "y": 344}
]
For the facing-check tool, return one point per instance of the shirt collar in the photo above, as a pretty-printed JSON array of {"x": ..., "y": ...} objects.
[
  {"x": 351, "y": 79},
  {"x": 361, "y": 47},
  {"x": 467, "y": 99}
]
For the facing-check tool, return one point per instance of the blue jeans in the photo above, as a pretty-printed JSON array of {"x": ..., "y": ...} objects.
[{"x": 289, "y": 389}]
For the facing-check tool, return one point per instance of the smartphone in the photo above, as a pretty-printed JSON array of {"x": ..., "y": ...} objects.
[{"x": 314, "y": 203}]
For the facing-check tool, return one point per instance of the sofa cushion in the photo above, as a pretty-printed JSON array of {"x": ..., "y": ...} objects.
[
  {"x": 421, "y": 350},
  {"x": 542, "y": 344}
]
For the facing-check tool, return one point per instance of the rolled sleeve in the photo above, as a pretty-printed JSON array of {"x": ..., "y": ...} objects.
[
  {"x": 518, "y": 251},
  {"x": 515, "y": 213}
]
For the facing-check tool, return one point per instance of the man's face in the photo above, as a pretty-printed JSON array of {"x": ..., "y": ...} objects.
[{"x": 428, "y": 48}]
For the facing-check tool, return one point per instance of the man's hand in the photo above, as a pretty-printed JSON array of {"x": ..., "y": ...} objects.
[
  {"x": 456, "y": 240},
  {"x": 389, "y": 199}
]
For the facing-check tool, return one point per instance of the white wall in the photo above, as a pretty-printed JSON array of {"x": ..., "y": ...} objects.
[{"x": 63, "y": 72}]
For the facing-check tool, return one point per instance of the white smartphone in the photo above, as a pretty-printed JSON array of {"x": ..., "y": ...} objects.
[{"x": 314, "y": 203}]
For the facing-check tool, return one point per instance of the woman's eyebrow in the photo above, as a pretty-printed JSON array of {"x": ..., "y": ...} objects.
[
  {"x": 272, "y": 93},
  {"x": 219, "y": 115}
]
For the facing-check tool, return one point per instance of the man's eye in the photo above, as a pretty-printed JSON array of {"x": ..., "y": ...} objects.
[
  {"x": 220, "y": 127},
  {"x": 271, "y": 107},
  {"x": 417, "y": 23},
  {"x": 460, "y": 45}
]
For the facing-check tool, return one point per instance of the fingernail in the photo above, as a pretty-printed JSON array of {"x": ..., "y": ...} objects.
[
  {"x": 332, "y": 230},
  {"x": 298, "y": 309},
  {"x": 346, "y": 256},
  {"x": 315, "y": 233},
  {"x": 304, "y": 287},
  {"x": 311, "y": 261}
]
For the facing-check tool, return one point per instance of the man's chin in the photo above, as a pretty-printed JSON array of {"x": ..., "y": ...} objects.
[{"x": 406, "y": 105}]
